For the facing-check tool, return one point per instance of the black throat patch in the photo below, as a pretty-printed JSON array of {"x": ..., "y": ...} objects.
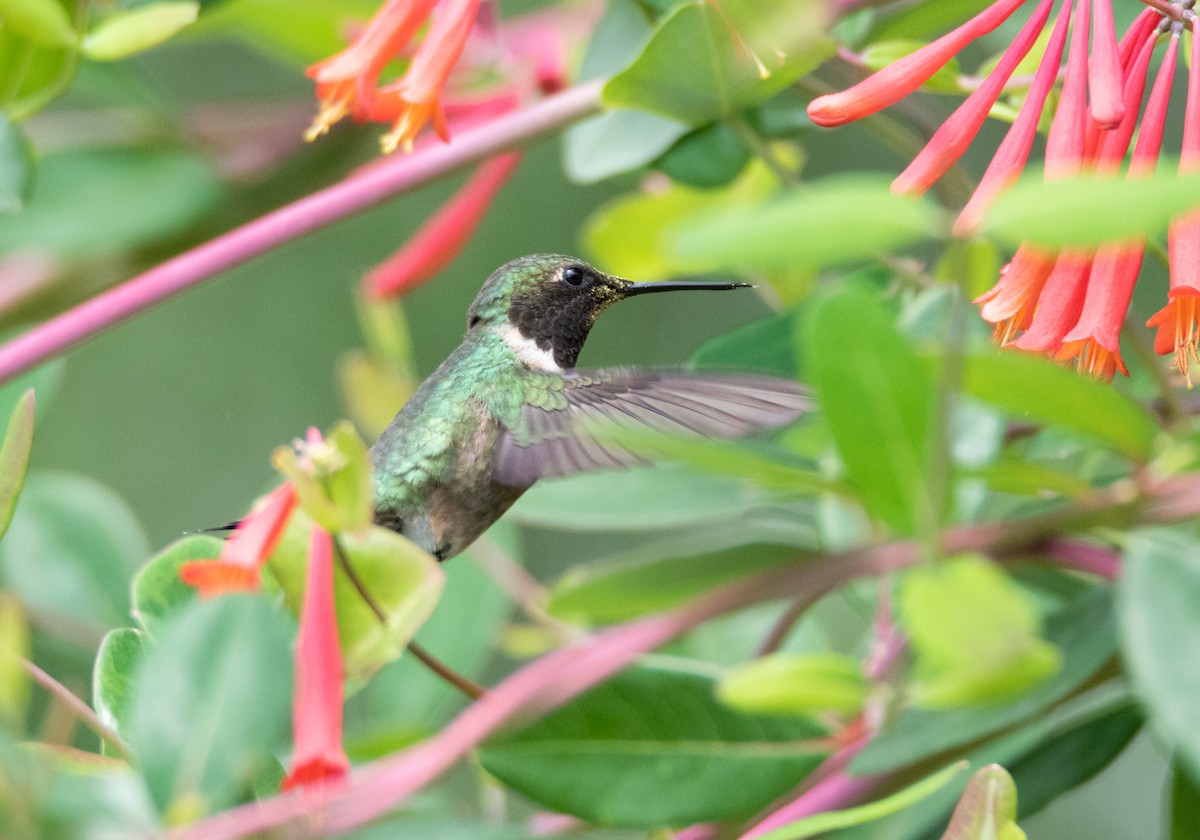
[{"x": 559, "y": 321}]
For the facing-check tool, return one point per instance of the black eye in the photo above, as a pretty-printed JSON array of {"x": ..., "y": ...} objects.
[{"x": 574, "y": 276}]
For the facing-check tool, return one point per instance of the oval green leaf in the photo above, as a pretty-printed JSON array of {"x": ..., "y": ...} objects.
[
  {"x": 827, "y": 223},
  {"x": 14, "y": 456},
  {"x": 796, "y": 683},
  {"x": 653, "y": 747},
  {"x": 131, "y": 31}
]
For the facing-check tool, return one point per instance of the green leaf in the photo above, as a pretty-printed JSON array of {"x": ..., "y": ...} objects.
[
  {"x": 767, "y": 346},
  {"x": 69, "y": 553},
  {"x": 1072, "y": 754},
  {"x": 407, "y": 697},
  {"x": 1185, "y": 805},
  {"x": 350, "y": 487},
  {"x": 44, "y": 22},
  {"x": 299, "y": 32},
  {"x": 1034, "y": 388},
  {"x": 652, "y": 747},
  {"x": 662, "y": 575},
  {"x": 1084, "y": 631},
  {"x": 332, "y": 479},
  {"x": 796, "y": 683},
  {"x": 922, "y": 20},
  {"x": 666, "y": 496},
  {"x": 14, "y": 646},
  {"x": 974, "y": 633},
  {"x": 211, "y": 703},
  {"x": 158, "y": 593},
  {"x": 628, "y": 236},
  {"x": 120, "y": 656},
  {"x": 880, "y": 808},
  {"x": 1159, "y": 605},
  {"x": 987, "y": 809},
  {"x": 879, "y": 402},
  {"x": 403, "y": 581},
  {"x": 833, "y": 221},
  {"x": 706, "y": 158},
  {"x": 615, "y": 142},
  {"x": 16, "y": 167},
  {"x": 33, "y": 74},
  {"x": 145, "y": 195},
  {"x": 131, "y": 31},
  {"x": 14, "y": 456},
  {"x": 1086, "y": 211},
  {"x": 702, "y": 64}
]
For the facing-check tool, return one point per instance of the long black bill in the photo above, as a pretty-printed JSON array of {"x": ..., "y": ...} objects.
[{"x": 680, "y": 286}]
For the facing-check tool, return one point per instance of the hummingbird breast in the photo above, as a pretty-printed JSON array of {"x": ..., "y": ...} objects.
[{"x": 434, "y": 464}]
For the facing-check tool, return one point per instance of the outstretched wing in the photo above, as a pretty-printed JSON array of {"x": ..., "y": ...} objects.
[{"x": 570, "y": 437}]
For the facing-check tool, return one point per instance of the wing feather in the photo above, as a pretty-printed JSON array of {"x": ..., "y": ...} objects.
[{"x": 563, "y": 440}]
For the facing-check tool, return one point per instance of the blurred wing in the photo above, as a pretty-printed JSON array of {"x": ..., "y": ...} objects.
[{"x": 569, "y": 438}]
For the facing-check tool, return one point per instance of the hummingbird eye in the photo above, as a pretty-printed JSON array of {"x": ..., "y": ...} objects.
[{"x": 574, "y": 275}]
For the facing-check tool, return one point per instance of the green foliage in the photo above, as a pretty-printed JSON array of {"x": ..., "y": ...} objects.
[
  {"x": 16, "y": 167},
  {"x": 1158, "y": 594},
  {"x": 210, "y": 703},
  {"x": 974, "y": 634},
  {"x": 1089, "y": 211},
  {"x": 802, "y": 684},
  {"x": 880, "y": 404},
  {"x": 14, "y": 457},
  {"x": 699, "y": 65},
  {"x": 987, "y": 809},
  {"x": 827, "y": 223},
  {"x": 127, "y": 32},
  {"x": 653, "y": 747}
]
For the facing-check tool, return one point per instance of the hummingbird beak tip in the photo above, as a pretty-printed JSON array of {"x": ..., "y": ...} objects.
[{"x": 681, "y": 286}]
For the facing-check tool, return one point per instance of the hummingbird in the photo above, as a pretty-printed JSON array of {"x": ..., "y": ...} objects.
[{"x": 508, "y": 407}]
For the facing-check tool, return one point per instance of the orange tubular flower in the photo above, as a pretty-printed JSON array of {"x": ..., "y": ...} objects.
[
  {"x": 437, "y": 242},
  {"x": 345, "y": 82},
  {"x": 416, "y": 99},
  {"x": 1096, "y": 338},
  {"x": 237, "y": 567},
  {"x": 899, "y": 79},
  {"x": 317, "y": 702},
  {"x": 1177, "y": 321},
  {"x": 956, "y": 133}
]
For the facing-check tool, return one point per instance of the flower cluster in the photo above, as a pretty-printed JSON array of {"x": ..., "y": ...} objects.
[
  {"x": 348, "y": 84},
  {"x": 1069, "y": 304},
  {"x": 317, "y": 700}
]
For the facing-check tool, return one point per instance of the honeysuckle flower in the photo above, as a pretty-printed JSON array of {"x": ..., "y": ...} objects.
[
  {"x": 437, "y": 242},
  {"x": 417, "y": 98},
  {"x": 345, "y": 82},
  {"x": 237, "y": 568},
  {"x": 318, "y": 756},
  {"x": 1072, "y": 304},
  {"x": 1177, "y": 321}
]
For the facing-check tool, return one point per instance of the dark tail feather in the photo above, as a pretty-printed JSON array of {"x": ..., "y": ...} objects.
[{"x": 229, "y": 527}]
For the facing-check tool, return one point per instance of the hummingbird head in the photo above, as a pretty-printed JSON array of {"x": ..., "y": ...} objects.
[{"x": 545, "y": 305}]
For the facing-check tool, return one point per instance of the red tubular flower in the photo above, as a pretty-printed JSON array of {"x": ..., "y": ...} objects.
[
  {"x": 1010, "y": 158},
  {"x": 899, "y": 79},
  {"x": 317, "y": 702},
  {"x": 1177, "y": 321},
  {"x": 1107, "y": 106},
  {"x": 1096, "y": 338},
  {"x": 237, "y": 567},
  {"x": 345, "y": 82},
  {"x": 437, "y": 242},
  {"x": 1010, "y": 303},
  {"x": 950, "y": 141},
  {"x": 416, "y": 99}
]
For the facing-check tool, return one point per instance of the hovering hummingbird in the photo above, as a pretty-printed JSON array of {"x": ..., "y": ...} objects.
[{"x": 508, "y": 406}]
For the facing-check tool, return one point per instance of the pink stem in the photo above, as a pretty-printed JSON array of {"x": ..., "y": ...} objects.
[
  {"x": 1071, "y": 554},
  {"x": 834, "y": 791},
  {"x": 331, "y": 204}
]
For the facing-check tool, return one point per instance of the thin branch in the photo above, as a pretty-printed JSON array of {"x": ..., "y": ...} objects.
[
  {"x": 82, "y": 711},
  {"x": 468, "y": 687},
  {"x": 358, "y": 192}
]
